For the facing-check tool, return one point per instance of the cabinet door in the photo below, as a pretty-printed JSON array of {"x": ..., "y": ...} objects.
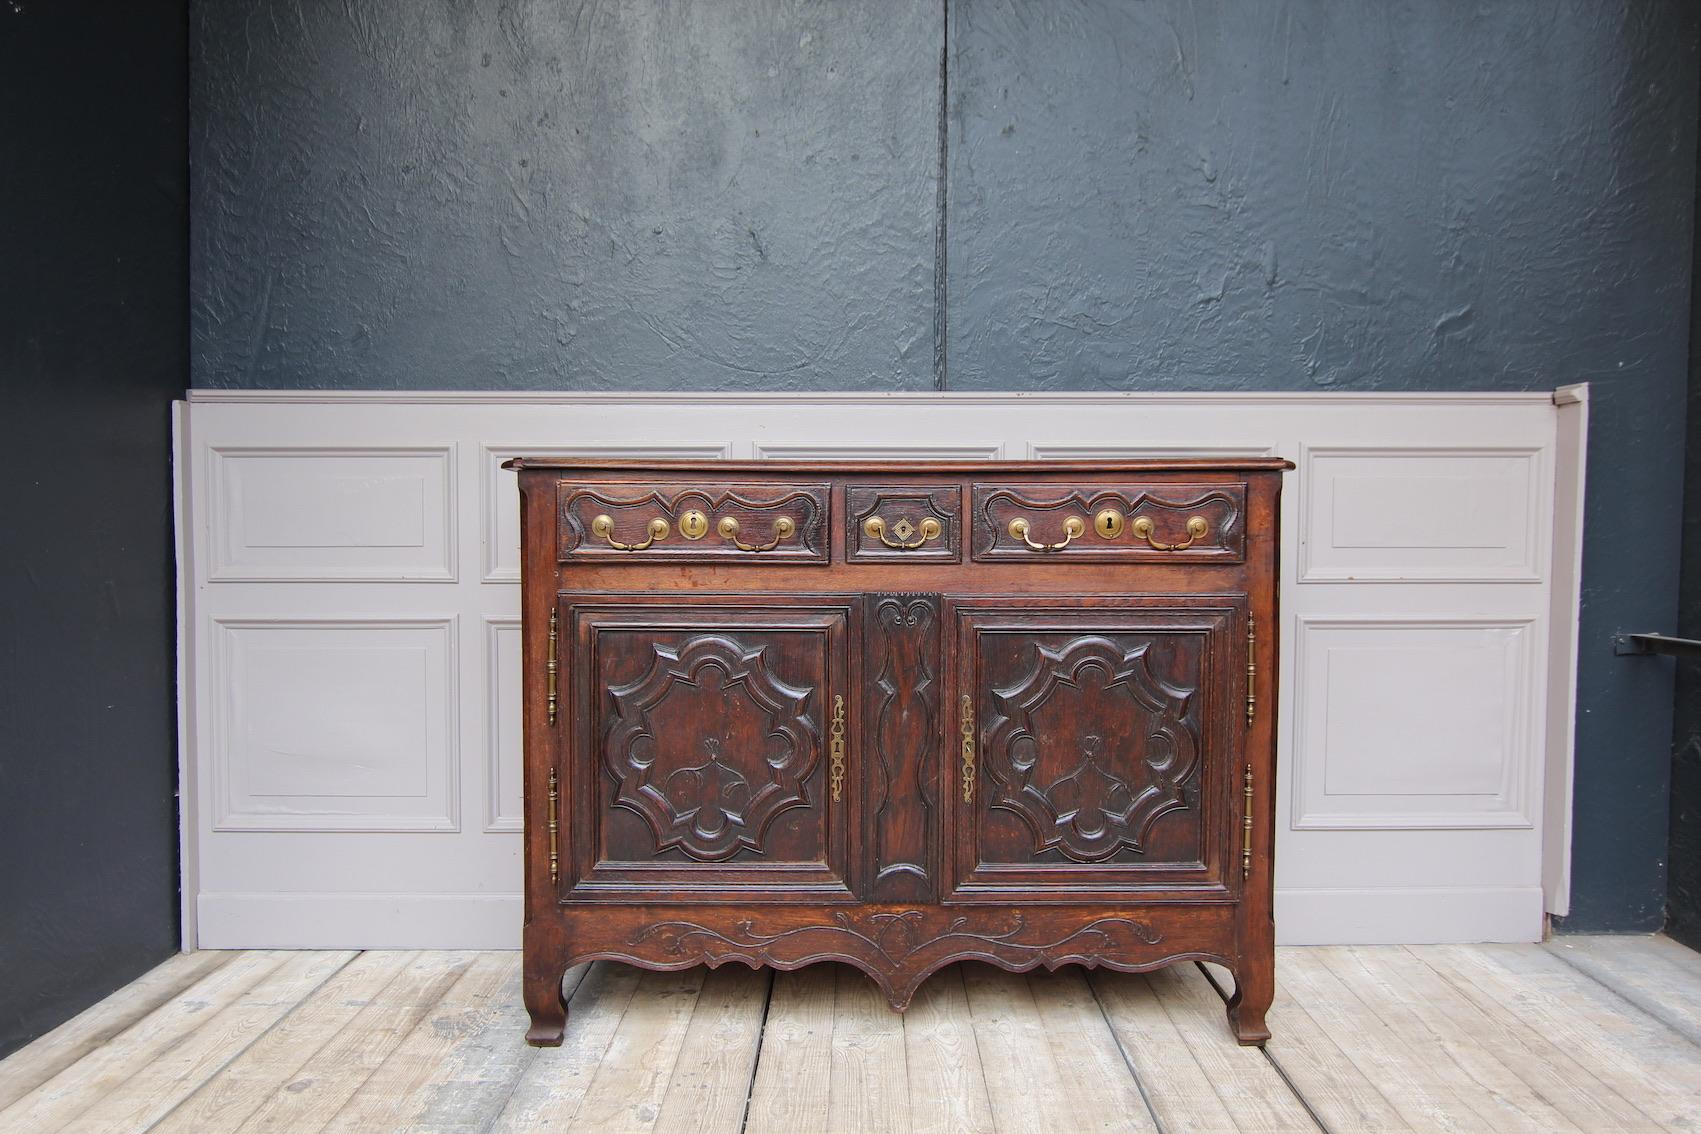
[
  {"x": 704, "y": 743},
  {"x": 1099, "y": 741}
]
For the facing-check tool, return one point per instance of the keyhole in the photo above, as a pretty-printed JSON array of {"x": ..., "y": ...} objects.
[{"x": 1108, "y": 523}]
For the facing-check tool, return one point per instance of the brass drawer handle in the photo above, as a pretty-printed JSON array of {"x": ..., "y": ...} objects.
[
  {"x": 837, "y": 759},
  {"x": 876, "y": 527},
  {"x": 604, "y": 526},
  {"x": 1196, "y": 529},
  {"x": 783, "y": 528},
  {"x": 1073, "y": 527},
  {"x": 968, "y": 749}
]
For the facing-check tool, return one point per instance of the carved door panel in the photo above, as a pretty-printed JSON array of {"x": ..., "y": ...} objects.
[
  {"x": 1098, "y": 742},
  {"x": 707, "y": 746}
]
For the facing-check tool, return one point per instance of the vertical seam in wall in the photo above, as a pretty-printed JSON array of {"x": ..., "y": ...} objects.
[{"x": 940, "y": 201}]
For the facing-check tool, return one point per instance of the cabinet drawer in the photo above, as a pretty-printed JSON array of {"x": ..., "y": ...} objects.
[
  {"x": 1110, "y": 522},
  {"x": 903, "y": 524},
  {"x": 745, "y": 522}
]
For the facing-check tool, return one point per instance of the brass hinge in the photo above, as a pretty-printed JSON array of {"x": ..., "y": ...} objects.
[
  {"x": 554, "y": 828},
  {"x": 1246, "y": 828},
  {"x": 837, "y": 759},
  {"x": 968, "y": 749},
  {"x": 1251, "y": 667},
  {"x": 554, "y": 666}
]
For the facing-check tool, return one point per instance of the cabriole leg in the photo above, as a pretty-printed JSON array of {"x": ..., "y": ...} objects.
[
  {"x": 1254, "y": 989},
  {"x": 545, "y": 1004}
]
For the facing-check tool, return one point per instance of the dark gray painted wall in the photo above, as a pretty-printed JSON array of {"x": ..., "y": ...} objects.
[
  {"x": 1683, "y": 858},
  {"x": 1307, "y": 195},
  {"x": 93, "y": 347},
  {"x": 536, "y": 194}
]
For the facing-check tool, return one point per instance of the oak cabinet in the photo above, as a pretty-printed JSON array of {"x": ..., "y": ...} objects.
[{"x": 898, "y": 717}]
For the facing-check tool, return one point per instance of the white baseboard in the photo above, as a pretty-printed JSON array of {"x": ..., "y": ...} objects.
[
  {"x": 1446, "y": 915},
  {"x": 359, "y": 921}
]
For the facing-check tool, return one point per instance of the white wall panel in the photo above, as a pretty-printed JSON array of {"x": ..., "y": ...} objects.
[
  {"x": 921, "y": 449},
  {"x": 334, "y": 543},
  {"x": 503, "y": 769},
  {"x": 325, "y": 513},
  {"x": 1457, "y": 515},
  {"x": 324, "y": 725},
  {"x": 1417, "y": 723},
  {"x": 1134, "y": 450}
]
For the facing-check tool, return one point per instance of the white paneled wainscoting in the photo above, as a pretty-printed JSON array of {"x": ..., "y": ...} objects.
[{"x": 349, "y": 646}]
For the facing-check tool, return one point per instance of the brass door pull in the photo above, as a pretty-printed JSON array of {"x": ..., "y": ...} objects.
[
  {"x": 604, "y": 526},
  {"x": 1196, "y": 529},
  {"x": 876, "y": 527},
  {"x": 968, "y": 749},
  {"x": 836, "y": 762},
  {"x": 1246, "y": 829},
  {"x": 554, "y": 827},
  {"x": 553, "y": 669},
  {"x": 783, "y": 528},
  {"x": 1073, "y": 527}
]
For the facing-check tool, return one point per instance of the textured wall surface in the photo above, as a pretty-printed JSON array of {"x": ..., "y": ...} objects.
[
  {"x": 93, "y": 347},
  {"x": 415, "y": 193},
  {"x": 1683, "y": 880},
  {"x": 1302, "y": 195},
  {"x": 1316, "y": 196}
]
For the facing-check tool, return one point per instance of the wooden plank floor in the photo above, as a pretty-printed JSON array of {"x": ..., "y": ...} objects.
[{"x": 1580, "y": 1034}]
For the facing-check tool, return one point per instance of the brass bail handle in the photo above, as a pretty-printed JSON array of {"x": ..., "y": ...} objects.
[
  {"x": 1196, "y": 528},
  {"x": 603, "y": 526},
  {"x": 1073, "y": 528},
  {"x": 783, "y": 528},
  {"x": 929, "y": 529}
]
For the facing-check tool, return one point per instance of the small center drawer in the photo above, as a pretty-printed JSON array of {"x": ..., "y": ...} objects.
[
  {"x": 912, "y": 523},
  {"x": 1107, "y": 522},
  {"x": 749, "y": 522}
]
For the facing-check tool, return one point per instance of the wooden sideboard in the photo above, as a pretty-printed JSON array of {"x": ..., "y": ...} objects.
[{"x": 899, "y": 715}]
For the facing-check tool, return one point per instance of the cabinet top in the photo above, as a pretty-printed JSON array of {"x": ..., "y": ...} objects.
[{"x": 904, "y": 467}]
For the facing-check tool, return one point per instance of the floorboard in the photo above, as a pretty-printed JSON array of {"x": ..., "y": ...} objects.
[
  {"x": 80, "y": 1085},
  {"x": 948, "y": 1092},
  {"x": 554, "y": 1082},
  {"x": 789, "y": 1093},
  {"x": 1656, "y": 974},
  {"x": 254, "y": 1074},
  {"x": 1579, "y": 1035},
  {"x": 37, "y": 1062}
]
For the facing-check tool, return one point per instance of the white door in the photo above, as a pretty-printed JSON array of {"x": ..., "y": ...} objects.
[{"x": 351, "y": 662}]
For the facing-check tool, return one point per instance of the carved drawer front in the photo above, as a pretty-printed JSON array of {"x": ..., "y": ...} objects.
[
  {"x": 910, "y": 523},
  {"x": 709, "y": 746},
  {"x": 1106, "y": 522},
  {"x": 693, "y": 523},
  {"x": 1097, "y": 745}
]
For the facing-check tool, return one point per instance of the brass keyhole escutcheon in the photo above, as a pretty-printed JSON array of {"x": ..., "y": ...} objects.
[
  {"x": 875, "y": 528},
  {"x": 693, "y": 525},
  {"x": 1108, "y": 523}
]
